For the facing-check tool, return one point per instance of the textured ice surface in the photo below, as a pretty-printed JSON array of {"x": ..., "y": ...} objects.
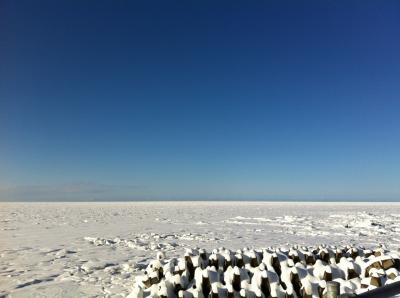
[{"x": 97, "y": 249}]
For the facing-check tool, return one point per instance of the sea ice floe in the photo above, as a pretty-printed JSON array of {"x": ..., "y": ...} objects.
[{"x": 151, "y": 241}]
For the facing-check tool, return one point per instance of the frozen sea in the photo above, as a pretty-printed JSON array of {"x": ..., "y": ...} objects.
[{"x": 96, "y": 249}]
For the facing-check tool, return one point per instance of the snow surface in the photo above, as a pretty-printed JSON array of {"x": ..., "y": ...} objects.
[{"x": 97, "y": 249}]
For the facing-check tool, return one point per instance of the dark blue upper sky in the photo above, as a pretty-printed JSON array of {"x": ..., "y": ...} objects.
[{"x": 199, "y": 100}]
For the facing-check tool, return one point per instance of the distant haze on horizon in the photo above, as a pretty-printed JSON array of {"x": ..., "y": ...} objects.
[{"x": 119, "y": 100}]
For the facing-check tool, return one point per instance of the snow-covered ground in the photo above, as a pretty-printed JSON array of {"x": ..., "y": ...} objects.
[{"x": 97, "y": 249}]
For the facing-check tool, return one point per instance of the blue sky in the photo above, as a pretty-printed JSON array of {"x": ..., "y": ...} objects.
[{"x": 117, "y": 100}]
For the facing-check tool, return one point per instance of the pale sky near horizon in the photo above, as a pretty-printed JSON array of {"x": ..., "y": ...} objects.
[{"x": 119, "y": 100}]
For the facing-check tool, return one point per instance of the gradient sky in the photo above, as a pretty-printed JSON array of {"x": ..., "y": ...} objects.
[{"x": 116, "y": 100}]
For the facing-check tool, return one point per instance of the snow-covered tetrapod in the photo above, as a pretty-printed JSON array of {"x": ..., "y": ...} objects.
[{"x": 268, "y": 272}]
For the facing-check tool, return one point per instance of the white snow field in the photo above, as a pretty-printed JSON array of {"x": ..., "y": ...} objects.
[{"x": 98, "y": 249}]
